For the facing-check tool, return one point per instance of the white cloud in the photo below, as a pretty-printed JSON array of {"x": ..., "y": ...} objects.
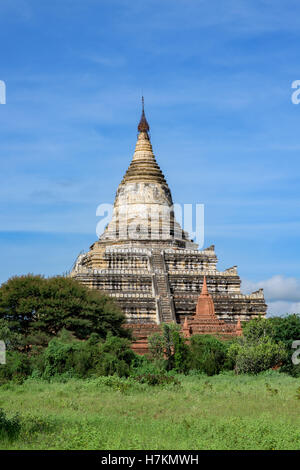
[
  {"x": 281, "y": 307},
  {"x": 282, "y": 294},
  {"x": 277, "y": 288}
]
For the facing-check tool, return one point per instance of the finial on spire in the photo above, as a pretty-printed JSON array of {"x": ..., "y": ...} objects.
[
  {"x": 143, "y": 124},
  {"x": 204, "y": 287}
]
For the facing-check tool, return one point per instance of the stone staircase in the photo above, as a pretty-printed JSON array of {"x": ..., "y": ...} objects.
[{"x": 166, "y": 312}]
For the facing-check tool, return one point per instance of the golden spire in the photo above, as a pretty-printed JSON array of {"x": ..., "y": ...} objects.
[{"x": 143, "y": 124}]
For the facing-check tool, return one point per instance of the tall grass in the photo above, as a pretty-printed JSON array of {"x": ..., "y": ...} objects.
[{"x": 219, "y": 412}]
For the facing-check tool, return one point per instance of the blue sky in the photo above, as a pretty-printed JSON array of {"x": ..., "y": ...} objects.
[{"x": 216, "y": 76}]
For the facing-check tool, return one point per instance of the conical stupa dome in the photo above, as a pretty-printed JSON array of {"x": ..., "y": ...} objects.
[{"x": 143, "y": 208}]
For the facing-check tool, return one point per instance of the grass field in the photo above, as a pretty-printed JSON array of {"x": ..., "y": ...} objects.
[{"x": 220, "y": 412}]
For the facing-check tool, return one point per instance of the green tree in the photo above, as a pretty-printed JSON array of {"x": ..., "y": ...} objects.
[
  {"x": 67, "y": 354},
  {"x": 208, "y": 354},
  {"x": 252, "y": 357},
  {"x": 18, "y": 366},
  {"x": 38, "y": 308},
  {"x": 115, "y": 357},
  {"x": 11, "y": 339},
  {"x": 156, "y": 346},
  {"x": 258, "y": 328},
  {"x": 287, "y": 329},
  {"x": 181, "y": 358},
  {"x": 170, "y": 346},
  {"x": 283, "y": 330}
]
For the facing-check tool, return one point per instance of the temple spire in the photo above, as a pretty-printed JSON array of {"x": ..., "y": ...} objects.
[
  {"x": 205, "y": 305},
  {"x": 239, "y": 329},
  {"x": 186, "y": 329},
  {"x": 204, "y": 287},
  {"x": 143, "y": 124}
]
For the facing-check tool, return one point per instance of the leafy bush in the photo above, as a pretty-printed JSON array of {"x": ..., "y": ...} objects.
[
  {"x": 144, "y": 365},
  {"x": 17, "y": 367},
  {"x": 286, "y": 329},
  {"x": 170, "y": 347},
  {"x": 283, "y": 330},
  {"x": 59, "y": 356},
  {"x": 11, "y": 339},
  {"x": 258, "y": 328},
  {"x": 157, "y": 379},
  {"x": 9, "y": 427},
  {"x": 32, "y": 424},
  {"x": 156, "y": 344},
  {"x": 181, "y": 356},
  {"x": 253, "y": 357},
  {"x": 208, "y": 354},
  {"x": 95, "y": 357},
  {"x": 116, "y": 357},
  {"x": 116, "y": 383},
  {"x": 205, "y": 353}
]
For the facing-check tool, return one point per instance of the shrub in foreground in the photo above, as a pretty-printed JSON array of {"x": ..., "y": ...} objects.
[
  {"x": 252, "y": 357},
  {"x": 169, "y": 348},
  {"x": 144, "y": 365},
  {"x": 9, "y": 427},
  {"x": 94, "y": 357},
  {"x": 18, "y": 366},
  {"x": 115, "y": 357},
  {"x": 283, "y": 330},
  {"x": 208, "y": 354},
  {"x": 157, "y": 379}
]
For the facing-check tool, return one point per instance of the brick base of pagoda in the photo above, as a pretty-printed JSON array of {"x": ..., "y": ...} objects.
[
  {"x": 208, "y": 326},
  {"x": 141, "y": 333},
  {"x": 191, "y": 326}
]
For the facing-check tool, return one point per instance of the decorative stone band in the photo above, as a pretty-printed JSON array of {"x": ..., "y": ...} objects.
[
  {"x": 172, "y": 272},
  {"x": 255, "y": 295},
  {"x": 176, "y": 253},
  {"x": 208, "y": 251},
  {"x": 84, "y": 270},
  {"x": 193, "y": 272},
  {"x": 135, "y": 251},
  {"x": 131, "y": 295},
  {"x": 121, "y": 271}
]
